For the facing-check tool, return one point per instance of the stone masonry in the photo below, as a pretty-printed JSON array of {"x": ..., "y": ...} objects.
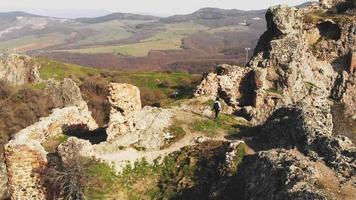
[
  {"x": 25, "y": 158},
  {"x": 25, "y": 164},
  {"x": 3, "y": 178}
]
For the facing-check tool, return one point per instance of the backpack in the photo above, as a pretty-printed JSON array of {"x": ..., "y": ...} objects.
[{"x": 217, "y": 105}]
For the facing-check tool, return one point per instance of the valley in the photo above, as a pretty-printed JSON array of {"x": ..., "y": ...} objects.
[{"x": 136, "y": 42}]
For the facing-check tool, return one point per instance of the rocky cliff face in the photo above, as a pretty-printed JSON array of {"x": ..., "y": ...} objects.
[
  {"x": 300, "y": 57},
  {"x": 19, "y": 69},
  {"x": 304, "y": 59}
]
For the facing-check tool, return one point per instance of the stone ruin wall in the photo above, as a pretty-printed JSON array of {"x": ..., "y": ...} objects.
[
  {"x": 3, "y": 178},
  {"x": 25, "y": 158},
  {"x": 25, "y": 163}
]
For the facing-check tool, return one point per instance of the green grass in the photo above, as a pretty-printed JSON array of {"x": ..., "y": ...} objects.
[
  {"x": 225, "y": 123},
  {"x": 209, "y": 103},
  {"x": 101, "y": 180},
  {"x": 104, "y": 32},
  {"x": 39, "y": 86},
  {"x": 170, "y": 39},
  {"x": 274, "y": 91},
  {"x": 155, "y": 87},
  {"x": 51, "y": 144},
  {"x": 33, "y": 42},
  {"x": 52, "y": 69}
]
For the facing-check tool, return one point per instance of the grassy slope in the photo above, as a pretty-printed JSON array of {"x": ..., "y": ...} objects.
[
  {"x": 32, "y": 42},
  {"x": 106, "y": 31},
  {"x": 167, "y": 40},
  {"x": 157, "y": 82}
]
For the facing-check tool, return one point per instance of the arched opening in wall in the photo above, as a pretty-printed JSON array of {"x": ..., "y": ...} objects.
[
  {"x": 94, "y": 137},
  {"x": 329, "y": 30}
]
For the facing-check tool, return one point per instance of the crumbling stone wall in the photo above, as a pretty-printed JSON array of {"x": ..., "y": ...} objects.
[
  {"x": 3, "y": 182},
  {"x": 25, "y": 157},
  {"x": 25, "y": 163},
  {"x": 57, "y": 123}
]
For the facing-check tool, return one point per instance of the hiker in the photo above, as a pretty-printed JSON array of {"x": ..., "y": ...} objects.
[{"x": 217, "y": 107}]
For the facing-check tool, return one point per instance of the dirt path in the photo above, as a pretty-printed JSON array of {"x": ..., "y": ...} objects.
[{"x": 122, "y": 158}]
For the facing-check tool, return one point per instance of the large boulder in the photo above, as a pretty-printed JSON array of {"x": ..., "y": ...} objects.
[
  {"x": 125, "y": 102},
  {"x": 19, "y": 69}
]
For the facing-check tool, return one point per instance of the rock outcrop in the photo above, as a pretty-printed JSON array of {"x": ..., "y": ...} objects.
[
  {"x": 232, "y": 83},
  {"x": 281, "y": 174},
  {"x": 300, "y": 62},
  {"x": 18, "y": 69},
  {"x": 298, "y": 58},
  {"x": 309, "y": 129},
  {"x": 125, "y": 102},
  {"x": 149, "y": 131}
]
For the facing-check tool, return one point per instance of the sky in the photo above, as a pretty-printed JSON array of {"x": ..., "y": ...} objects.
[{"x": 157, "y": 7}]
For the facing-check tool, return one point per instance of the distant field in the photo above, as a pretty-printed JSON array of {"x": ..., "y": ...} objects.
[
  {"x": 32, "y": 42},
  {"x": 170, "y": 39},
  {"x": 103, "y": 32}
]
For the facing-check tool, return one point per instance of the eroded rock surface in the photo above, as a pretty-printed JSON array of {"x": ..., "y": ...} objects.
[
  {"x": 18, "y": 69},
  {"x": 295, "y": 60},
  {"x": 125, "y": 102},
  {"x": 281, "y": 174},
  {"x": 150, "y": 129},
  {"x": 310, "y": 130}
]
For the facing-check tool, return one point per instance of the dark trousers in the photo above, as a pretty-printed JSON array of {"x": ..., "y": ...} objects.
[{"x": 217, "y": 113}]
